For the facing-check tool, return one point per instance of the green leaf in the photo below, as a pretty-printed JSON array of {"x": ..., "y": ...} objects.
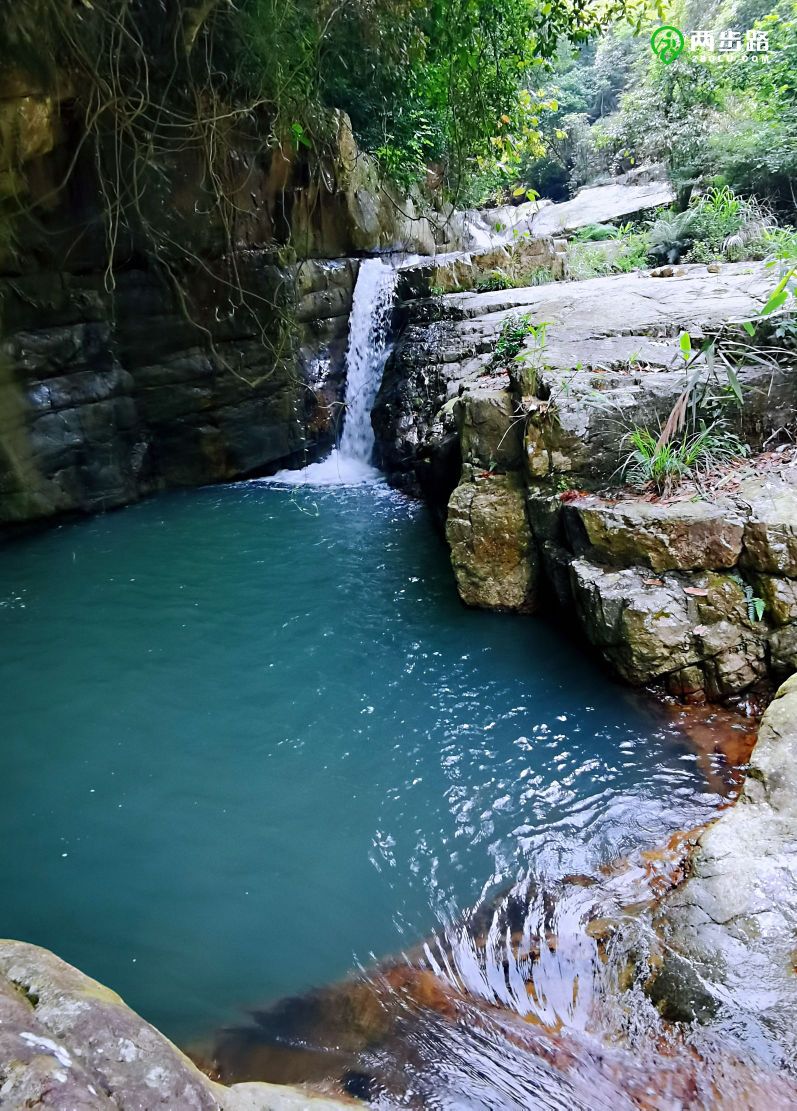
[
  {"x": 759, "y": 606},
  {"x": 299, "y": 135},
  {"x": 734, "y": 383},
  {"x": 748, "y": 327},
  {"x": 685, "y": 343},
  {"x": 776, "y": 300}
]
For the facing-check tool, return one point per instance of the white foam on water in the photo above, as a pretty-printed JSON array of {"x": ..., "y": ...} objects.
[
  {"x": 336, "y": 470},
  {"x": 369, "y": 325}
]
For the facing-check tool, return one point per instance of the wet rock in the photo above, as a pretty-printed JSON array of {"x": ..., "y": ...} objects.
[
  {"x": 735, "y": 667},
  {"x": 681, "y": 536},
  {"x": 492, "y": 550},
  {"x": 205, "y": 363},
  {"x": 103, "y": 401},
  {"x": 728, "y": 932},
  {"x": 68, "y": 1042},
  {"x": 783, "y": 650},
  {"x": 678, "y": 992},
  {"x": 644, "y": 631},
  {"x": 414, "y": 404},
  {"x": 29, "y": 128},
  {"x": 692, "y": 631}
]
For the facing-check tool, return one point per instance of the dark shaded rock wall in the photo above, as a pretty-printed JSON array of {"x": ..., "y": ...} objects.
[{"x": 105, "y": 397}]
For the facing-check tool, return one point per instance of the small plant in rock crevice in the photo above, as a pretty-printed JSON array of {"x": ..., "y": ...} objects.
[
  {"x": 511, "y": 339},
  {"x": 512, "y": 356},
  {"x": 692, "y": 453},
  {"x": 756, "y": 607},
  {"x": 529, "y": 362}
]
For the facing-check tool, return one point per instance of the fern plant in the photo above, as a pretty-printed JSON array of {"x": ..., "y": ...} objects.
[{"x": 671, "y": 235}]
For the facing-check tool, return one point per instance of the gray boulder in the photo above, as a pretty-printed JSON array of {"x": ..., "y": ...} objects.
[
  {"x": 693, "y": 632},
  {"x": 600, "y": 204},
  {"x": 70, "y": 1044},
  {"x": 770, "y": 535},
  {"x": 609, "y": 360},
  {"x": 490, "y": 429}
]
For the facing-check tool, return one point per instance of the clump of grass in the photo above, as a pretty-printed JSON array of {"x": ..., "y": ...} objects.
[
  {"x": 511, "y": 338},
  {"x": 539, "y": 275},
  {"x": 663, "y": 463},
  {"x": 494, "y": 279},
  {"x": 587, "y": 261},
  {"x": 501, "y": 279},
  {"x": 594, "y": 233}
]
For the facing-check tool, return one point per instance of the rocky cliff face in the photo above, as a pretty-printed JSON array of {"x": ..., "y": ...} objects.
[
  {"x": 106, "y": 397},
  {"x": 694, "y": 592},
  {"x": 177, "y": 346},
  {"x": 728, "y": 931}
]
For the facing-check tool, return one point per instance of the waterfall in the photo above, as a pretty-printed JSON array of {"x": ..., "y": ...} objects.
[
  {"x": 369, "y": 325},
  {"x": 367, "y": 350}
]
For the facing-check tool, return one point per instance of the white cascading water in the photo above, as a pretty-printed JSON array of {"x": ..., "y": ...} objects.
[{"x": 369, "y": 328}]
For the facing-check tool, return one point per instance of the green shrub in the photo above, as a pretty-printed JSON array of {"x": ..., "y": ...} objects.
[
  {"x": 538, "y": 275},
  {"x": 492, "y": 280},
  {"x": 512, "y": 337},
  {"x": 729, "y": 226},
  {"x": 703, "y": 252},
  {"x": 584, "y": 262}
]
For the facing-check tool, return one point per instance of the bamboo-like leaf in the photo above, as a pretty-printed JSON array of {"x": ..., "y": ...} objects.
[
  {"x": 734, "y": 383},
  {"x": 776, "y": 300}
]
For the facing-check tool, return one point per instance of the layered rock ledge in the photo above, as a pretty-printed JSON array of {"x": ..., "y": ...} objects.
[{"x": 696, "y": 592}]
